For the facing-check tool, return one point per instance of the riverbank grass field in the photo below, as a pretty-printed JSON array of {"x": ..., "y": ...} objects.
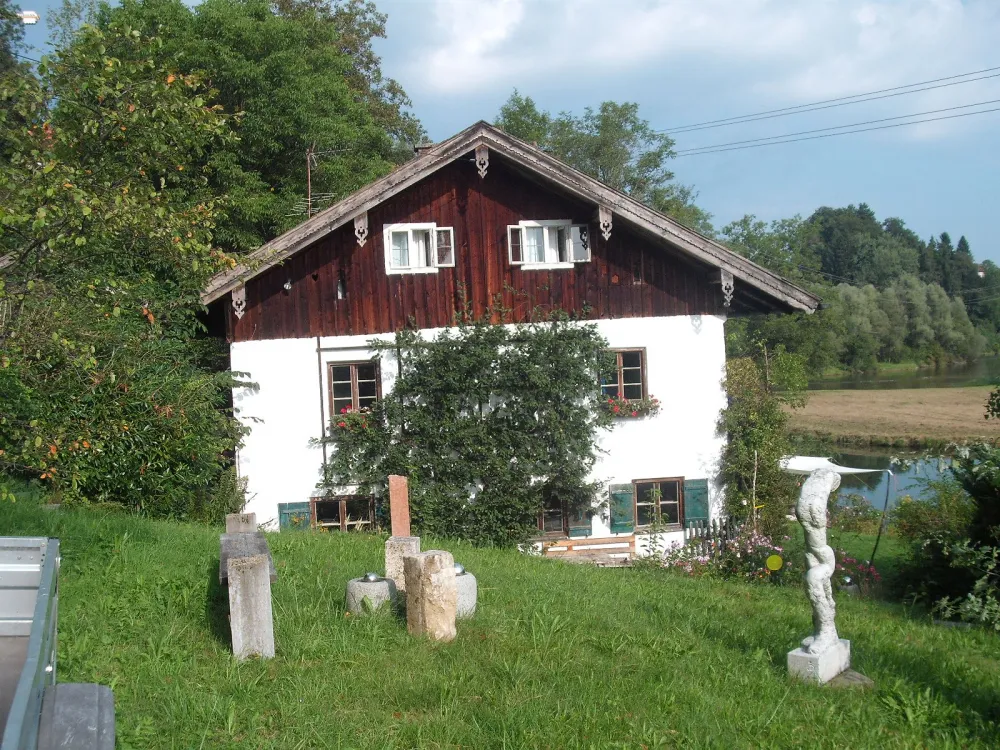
[
  {"x": 902, "y": 418},
  {"x": 558, "y": 655}
]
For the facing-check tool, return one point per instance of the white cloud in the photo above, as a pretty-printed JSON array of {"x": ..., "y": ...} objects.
[{"x": 786, "y": 51}]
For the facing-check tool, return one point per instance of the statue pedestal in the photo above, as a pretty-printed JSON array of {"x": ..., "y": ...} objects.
[{"x": 820, "y": 668}]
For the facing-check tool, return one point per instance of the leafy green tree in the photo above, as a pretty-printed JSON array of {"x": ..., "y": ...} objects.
[
  {"x": 755, "y": 425},
  {"x": 614, "y": 145},
  {"x": 11, "y": 34},
  {"x": 521, "y": 117},
  {"x": 300, "y": 76},
  {"x": 106, "y": 219},
  {"x": 490, "y": 423}
]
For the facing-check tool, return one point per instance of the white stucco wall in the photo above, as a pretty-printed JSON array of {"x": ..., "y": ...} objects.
[{"x": 685, "y": 363}]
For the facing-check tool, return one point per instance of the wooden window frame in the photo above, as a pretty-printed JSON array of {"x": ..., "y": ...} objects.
[
  {"x": 354, "y": 382},
  {"x": 680, "y": 502},
  {"x": 618, "y": 370},
  {"x": 432, "y": 228},
  {"x": 548, "y": 263},
  {"x": 341, "y": 523}
]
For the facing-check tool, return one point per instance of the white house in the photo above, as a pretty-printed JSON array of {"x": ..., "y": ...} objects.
[{"x": 479, "y": 215}]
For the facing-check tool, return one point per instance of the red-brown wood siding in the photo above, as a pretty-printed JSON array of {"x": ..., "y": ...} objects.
[{"x": 631, "y": 275}]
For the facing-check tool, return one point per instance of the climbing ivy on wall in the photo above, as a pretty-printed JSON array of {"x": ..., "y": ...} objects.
[{"x": 488, "y": 422}]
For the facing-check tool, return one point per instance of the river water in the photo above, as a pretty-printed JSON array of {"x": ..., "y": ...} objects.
[
  {"x": 911, "y": 477},
  {"x": 985, "y": 371},
  {"x": 908, "y": 478}
]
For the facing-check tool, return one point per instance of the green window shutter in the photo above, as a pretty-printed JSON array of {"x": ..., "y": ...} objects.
[
  {"x": 695, "y": 500},
  {"x": 579, "y": 524},
  {"x": 294, "y": 515},
  {"x": 622, "y": 508}
]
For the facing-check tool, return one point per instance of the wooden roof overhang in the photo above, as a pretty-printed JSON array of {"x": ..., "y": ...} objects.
[{"x": 756, "y": 289}]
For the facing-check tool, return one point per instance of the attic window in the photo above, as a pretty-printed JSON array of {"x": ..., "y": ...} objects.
[
  {"x": 548, "y": 244},
  {"x": 418, "y": 248}
]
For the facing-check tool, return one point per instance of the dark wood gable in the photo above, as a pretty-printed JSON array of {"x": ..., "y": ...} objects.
[{"x": 336, "y": 287}]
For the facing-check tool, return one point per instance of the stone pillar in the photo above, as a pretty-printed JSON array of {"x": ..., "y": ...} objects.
[
  {"x": 396, "y": 548},
  {"x": 250, "y": 614},
  {"x": 431, "y": 594},
  {"x": 399, "y": 505},
  {"x": 237, "y": 523},
  {"x": 468, "y": 593}
]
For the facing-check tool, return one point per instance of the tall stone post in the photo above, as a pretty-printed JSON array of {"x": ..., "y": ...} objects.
[
  {"x": 400, "y": 544},
  {"x": 431, "y": 594},
  {"x": 399, "y": 505},
  {"x": 250, "y": 607}
]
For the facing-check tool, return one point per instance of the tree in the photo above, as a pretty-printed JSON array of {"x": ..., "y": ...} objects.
[
  {"x": 301, "y": 76},
  {"x": 613, "y": 144},
  {"x": 106, "y": 391},
  {"x": 491, "y": 424},
  {"x": 11, "y": 34},
  {"x": 755, "y": 425},
  {"x": 521, "y": 117}
]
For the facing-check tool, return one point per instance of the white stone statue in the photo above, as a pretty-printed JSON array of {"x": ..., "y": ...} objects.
[{"x": 811, "y": 512}]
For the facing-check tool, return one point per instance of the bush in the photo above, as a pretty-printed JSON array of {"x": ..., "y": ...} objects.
[
  {"x": 854, "y": 514},
  {"x": 931, "y": 526},
  {"x": 982, "y": 604},
  {"x": 490, "y": 423},
  {"x": 743, "y": 558}
]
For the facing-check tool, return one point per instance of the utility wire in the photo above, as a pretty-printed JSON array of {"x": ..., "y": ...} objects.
[
  {"x": 846, "y": 132},
  {"x": 838, "y": 102},
  {"x": 836, "y": 127}
]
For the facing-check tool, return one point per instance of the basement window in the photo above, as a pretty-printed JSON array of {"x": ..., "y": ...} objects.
[
  {"x": 418, "y": 248},
  {"x": 548, "y": 244}
]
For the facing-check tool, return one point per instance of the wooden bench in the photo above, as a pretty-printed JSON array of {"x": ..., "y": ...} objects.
[{"x": 595, "y": 550}]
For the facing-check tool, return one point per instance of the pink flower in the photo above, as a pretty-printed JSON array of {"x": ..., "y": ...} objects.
[
  {"x": 616, "y": 410},
  {"x": 635, "y": 414},
  {"x": 341, "y": 424}
]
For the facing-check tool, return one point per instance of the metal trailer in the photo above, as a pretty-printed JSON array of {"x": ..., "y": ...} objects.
[{"x": 35, "y": 712}]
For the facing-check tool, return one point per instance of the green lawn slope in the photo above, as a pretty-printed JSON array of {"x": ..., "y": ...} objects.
[{"x": 558, "y": 656}]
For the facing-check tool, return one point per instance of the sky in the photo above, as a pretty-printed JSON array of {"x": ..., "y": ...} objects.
[{"x": 691, "y": 61}]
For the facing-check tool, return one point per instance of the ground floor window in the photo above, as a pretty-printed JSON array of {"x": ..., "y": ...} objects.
[
  {"x": 343, "y": 512},
  {"x": 659, "y": 501},
  {"x": 556, "y": 519}
]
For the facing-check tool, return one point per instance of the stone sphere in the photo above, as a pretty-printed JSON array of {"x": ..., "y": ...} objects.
[
  {"x": 459, "y": 569},
  {"x": 371, "y": 577}
]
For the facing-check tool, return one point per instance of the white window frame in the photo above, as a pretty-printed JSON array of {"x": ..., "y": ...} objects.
[
  {"x": 551, "y": 254},
  {"x": 422, "y": 266}
]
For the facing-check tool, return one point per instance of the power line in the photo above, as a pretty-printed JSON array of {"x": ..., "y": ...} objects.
[
  {"x": 837, "y": 127},
  {"x": 846, "y": 132},
  {"x": 838, "y": 102}
]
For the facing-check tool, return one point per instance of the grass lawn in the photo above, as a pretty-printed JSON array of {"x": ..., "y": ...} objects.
[{"x": 558, "y": 656}]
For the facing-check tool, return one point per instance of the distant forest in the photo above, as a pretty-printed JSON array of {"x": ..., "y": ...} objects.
[{"x": 889, "y": 296}]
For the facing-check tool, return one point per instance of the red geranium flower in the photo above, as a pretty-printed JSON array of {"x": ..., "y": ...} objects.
[
  {"x": 616, "y": 410},
  {"x": 341, "y": 424}
]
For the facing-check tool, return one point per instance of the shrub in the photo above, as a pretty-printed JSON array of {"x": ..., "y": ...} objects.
[
  {"x": 490, "y": 423},
  {"x": 982, "y": 604},
  {"x": 742, "y": 558},
  {"x": 854, "y": 514},
  {"x": 851, "y": 571},
  {"x": 754, "y": 423},
  {"x": 931, "y": 526}
]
